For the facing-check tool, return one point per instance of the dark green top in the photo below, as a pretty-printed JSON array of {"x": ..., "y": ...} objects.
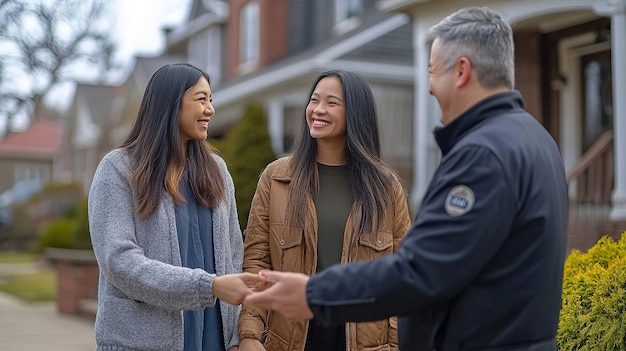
[{"x": 332, "y": 204}]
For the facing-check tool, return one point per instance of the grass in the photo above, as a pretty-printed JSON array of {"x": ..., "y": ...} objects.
[
  {"x": 31, "y": 287},
  {"x": 17, "y": 257}
]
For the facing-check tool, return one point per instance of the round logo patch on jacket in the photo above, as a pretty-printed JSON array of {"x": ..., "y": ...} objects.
[{"x": 460, "y": 200}]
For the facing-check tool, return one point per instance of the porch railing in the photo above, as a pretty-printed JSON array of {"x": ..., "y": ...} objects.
[{"x": 594, "y": 172}]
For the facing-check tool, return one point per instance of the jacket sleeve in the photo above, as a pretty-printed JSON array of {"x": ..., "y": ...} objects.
[
  {"x": 256, "y": 256},
  {"x": 402, "y": 223},
  {"x": 465, "y": 217}
]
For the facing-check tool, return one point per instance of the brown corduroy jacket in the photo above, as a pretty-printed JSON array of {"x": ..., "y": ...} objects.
[{"x": 270, "y": 245}]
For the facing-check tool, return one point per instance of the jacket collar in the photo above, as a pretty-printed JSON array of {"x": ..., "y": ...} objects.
[
  {"x": 283, "y": 171},
  {"x": 492, "y": 106}
]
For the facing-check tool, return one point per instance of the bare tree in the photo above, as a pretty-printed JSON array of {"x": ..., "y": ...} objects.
[{"x": 44, "y": 43}]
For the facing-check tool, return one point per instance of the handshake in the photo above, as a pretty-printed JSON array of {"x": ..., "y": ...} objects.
[{"x": 284, "y": 292}]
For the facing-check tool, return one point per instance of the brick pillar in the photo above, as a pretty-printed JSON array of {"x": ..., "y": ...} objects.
[
  {"x": 77, "y": 277},
  {"x": 76, "y": 281}
]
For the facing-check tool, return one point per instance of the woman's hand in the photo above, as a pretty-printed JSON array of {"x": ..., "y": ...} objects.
[
  {"x": 249, "y": 344},
  {"x": 233, "y": 288}
]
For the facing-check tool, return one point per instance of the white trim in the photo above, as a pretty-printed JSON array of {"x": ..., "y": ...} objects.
[
  {"x": 395, "y": 72},
  {"x": 398, "y": 5},
  {"x": 364, "y": 37}
]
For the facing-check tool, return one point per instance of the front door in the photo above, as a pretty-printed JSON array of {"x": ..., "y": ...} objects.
[{"x": 597, "y": 96}]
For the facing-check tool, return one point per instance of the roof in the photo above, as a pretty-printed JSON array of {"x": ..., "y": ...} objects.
[{"x": 41, "y": 140}]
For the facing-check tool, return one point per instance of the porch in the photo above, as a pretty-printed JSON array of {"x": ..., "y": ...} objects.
[{"x": 591, "y": 184}]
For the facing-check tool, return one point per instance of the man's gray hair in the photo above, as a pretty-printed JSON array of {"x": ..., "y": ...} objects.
[{"x": 482, "y": 36}]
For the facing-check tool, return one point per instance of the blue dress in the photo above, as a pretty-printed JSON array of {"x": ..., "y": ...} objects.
[{"x": 194, "y": 223}]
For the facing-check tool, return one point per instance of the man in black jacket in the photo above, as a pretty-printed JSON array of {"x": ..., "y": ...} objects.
[{"x": 482, "y": 266}]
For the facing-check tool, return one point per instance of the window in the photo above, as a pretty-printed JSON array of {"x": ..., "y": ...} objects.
[
  {"x": 346, "y": 15},
  {"x": 346, "y": 9},
  {"x": 31, "y": 173},
  {"x": 249, "y": 33}
]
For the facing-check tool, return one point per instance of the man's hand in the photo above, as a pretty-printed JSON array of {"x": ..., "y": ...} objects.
[
  {"x": 286, "y": 294},
  {"x": 232, "y": 288}
]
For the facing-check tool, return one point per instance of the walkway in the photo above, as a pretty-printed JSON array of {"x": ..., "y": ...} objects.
[
  {"x": 38, "y": 326},
  {"x": 30, "y": 327}
]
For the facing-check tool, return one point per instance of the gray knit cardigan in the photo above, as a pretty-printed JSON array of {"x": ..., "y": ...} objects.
[{"x": 143, "y": 288}]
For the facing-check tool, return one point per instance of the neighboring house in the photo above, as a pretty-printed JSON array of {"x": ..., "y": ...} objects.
[
  {"x": 86, "y": 123},
  {"x": 570, "y": 57},
  {"x": 27, "y": 157},
  {"x": 128, "y": 99}
]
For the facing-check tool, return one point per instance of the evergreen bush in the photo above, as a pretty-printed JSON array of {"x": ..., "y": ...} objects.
[
  {"x": 247, "y": 149},
  {"x": 593, "y": 313},
  {"x": 58, "y": 233},
  {"x": 82, "y": 238}
]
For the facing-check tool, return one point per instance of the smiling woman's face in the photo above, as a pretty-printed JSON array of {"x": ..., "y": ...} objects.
[
  {"x": 195, "y": 112},
  {"x": 326, "y": 113}
]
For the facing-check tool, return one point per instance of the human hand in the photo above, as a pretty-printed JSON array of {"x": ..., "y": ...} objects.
[
  {"x": 250, "y": 344},
  {"x": 232, "y": 288},
  {"x": 286, "y": 294},
  {"x": 233, "y": 348}
]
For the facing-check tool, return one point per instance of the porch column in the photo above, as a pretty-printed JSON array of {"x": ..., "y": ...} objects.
[
  {"x": 423, "y": 114},
  {"x": 618, "y": 58},
  {"x": 275, "y": 124}
]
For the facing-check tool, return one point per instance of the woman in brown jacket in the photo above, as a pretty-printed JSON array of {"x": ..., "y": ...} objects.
[{"x": 333, "y": 201}]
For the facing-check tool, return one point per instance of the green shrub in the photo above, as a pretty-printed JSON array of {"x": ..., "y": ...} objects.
[
  {"x": 58, "y": 233},
  {"x": 247, "y": 149},
  {"x": 82, "y": 238},
  {"x": 593, "y": 313}
]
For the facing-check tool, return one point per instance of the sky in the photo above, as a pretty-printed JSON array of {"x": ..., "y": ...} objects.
[
  {"x": 139, "y": 22},
  {"x": 137, "y": 30}
]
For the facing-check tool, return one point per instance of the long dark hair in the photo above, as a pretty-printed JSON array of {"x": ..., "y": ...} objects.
[
  {"x": 155, "y": 148},
  {"x": 370, "y": 179}
]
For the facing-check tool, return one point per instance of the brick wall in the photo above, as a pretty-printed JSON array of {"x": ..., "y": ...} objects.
[{"x": 273, "y": 33}]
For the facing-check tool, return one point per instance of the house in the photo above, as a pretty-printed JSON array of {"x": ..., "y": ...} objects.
[
  {"x": 269, "y": 52},
  {"x": 27, "y": 157},
  {"x": 570, "y": 58},
  {"x": 86, "y": 121}
]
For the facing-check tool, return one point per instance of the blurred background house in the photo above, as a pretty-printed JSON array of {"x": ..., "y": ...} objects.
[{"x": 568, "y": 58}]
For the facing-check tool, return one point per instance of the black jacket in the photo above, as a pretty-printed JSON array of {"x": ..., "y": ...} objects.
[{"x": 482, "y": 266}]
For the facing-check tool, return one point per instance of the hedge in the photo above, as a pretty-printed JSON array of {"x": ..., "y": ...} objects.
[{"x": 593, "y": 313}]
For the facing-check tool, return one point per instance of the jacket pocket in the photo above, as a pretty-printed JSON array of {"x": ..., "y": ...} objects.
[
  {"x": 380, "y": 244},
  {"x": 373, "y": 335},
  {"x": 290, "y": 248}
]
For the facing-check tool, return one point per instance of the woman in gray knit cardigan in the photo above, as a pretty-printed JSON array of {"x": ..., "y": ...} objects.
[{"x": 164, "y": 227}]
